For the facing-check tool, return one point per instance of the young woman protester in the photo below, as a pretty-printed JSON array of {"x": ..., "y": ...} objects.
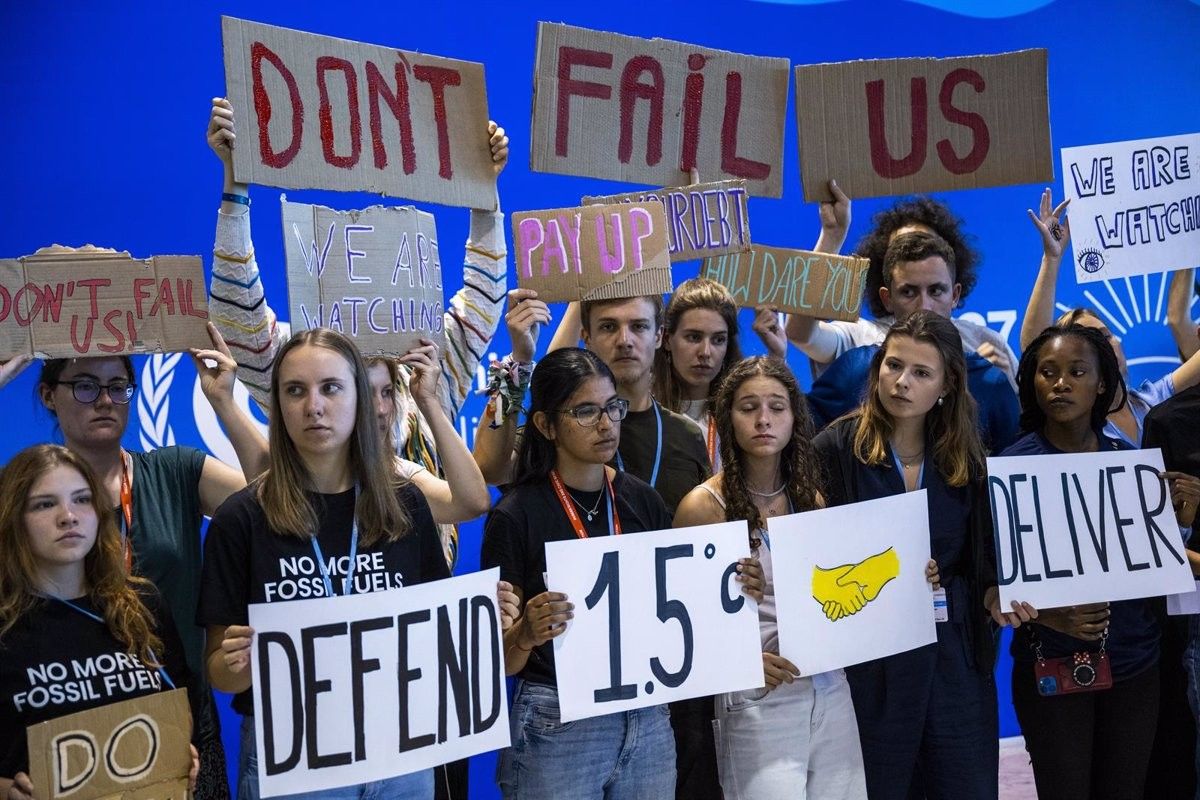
[
  {"x": 1129, "y": 410},
  {"x": 67, "y": 597},
  {"x": 926, "y": 718},
  {"x": 329, "y": 490},
  {"x": 239, "y": 308},
  {"x": 796, "y": 737},
  {"x": 1090, "y": 744},
  {"x": 561, "y": 489}
]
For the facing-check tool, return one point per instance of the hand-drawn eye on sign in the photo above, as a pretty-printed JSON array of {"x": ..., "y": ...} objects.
[
  {"x": 373, "y": 275},
  {"x": 1090, "y": 259}
]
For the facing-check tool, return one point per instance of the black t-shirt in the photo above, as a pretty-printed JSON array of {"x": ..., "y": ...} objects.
[
  {"x": 57, "y": 661},
  {"x": 528, "y": 516},
  {"x": 246, "y": 562},
  {"x": 684, "y": 463},
  {"x": 1174, "y": 426}
]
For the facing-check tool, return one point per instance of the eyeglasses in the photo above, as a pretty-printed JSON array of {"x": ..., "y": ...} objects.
[
  {"x": 589, "y": 415},
  {"x": 86, "y": 390}
]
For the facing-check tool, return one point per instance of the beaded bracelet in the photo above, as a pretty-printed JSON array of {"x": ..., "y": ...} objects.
[{"x": 508, "y": 380}]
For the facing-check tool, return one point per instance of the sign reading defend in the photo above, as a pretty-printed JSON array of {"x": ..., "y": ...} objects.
[
  {"x": 65, "y": 302},
  {"x": 649, "y": 110},
  {"x": 325, "y": 113},
  {"x": 792, "y": 281},
  {"x": 913, "y": 125},
  {"x": 373, "y": 275}
]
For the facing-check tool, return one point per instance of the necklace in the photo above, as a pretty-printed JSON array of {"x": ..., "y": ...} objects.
[
  {"x": 766, "y": 494},
  {"x": 590, "y": 512},
  {"x": 908, "y": 462}
]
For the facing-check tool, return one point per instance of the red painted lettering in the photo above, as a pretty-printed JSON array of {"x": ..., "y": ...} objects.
[
  {"x": 5, "y": 303},
  {"x": 22, "y": 315},
  {"x": 326, "y": 64},
  {"x": 118, "y": 336},
  {"x": 568, "y": 86},
  {"x": 632, "y": 90},
  {"x": 974, "y": 159},
  {"x": 881, "y": 157},
  {"x": 140, "y": 293},
  {"x": 377, "y": 88},
  {"x": 94, "y": 285},
  {"x": 438, "y": 79},
  {"x": 52, "y": 297},
  {"x": 731, "y": 162},
  {"x": 262, "y": 107},
  {"x": 693, "y": 104},
  {"x": 165, "y": 298},
  {"x": 81, "y": 347}
]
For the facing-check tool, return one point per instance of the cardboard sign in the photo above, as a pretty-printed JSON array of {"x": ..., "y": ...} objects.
[
  {"x": 658, "y": 617},
  {"x": 360, "y": 688},
  {"x": 324, "y": 113},
  {"x": 1135, "y": 206},
  {"x": 593, "y": 252},
  {"x": 706, "y": 219},
  {"x": 848, "y": 589},
  {"x": 793, "y": 281},
  {"x": 65, "y": 302},
  {"x": 1085, "y": 528},
  {"x": 374, "y": 274},
  {"x": 913, "y": 125},
  {"x": 133, "y": 750},
  {"x": 649, "y": 110}
]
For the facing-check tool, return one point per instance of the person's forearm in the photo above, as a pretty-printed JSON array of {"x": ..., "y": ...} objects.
[
  {"x": 1039, "y": 313},
  {"x": 830, "y": 243},
  {"x": 567, "y": 333},
  {"x": 494, "y": 449},
  {"x": 1179, "y": 312},
  {"x": 1194, "y": 562},
  {"x": 812, "y": 337},
  {"x": 469, "y": 491},
  {"x": 516, "y": 654},
  {"x": 248, "y": 442}
]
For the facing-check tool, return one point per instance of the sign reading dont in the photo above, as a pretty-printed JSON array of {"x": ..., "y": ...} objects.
[
  {"x": 793, "y": 281},
  {"x": 326, "y": 113}
]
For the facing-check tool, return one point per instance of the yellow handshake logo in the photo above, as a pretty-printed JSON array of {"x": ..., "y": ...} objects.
[{"x": 845, "y": 590}]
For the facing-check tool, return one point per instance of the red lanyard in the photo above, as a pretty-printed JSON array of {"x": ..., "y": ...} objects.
[
  {"x": 568, "y": 504},
  {"x": 712, "y": 441},
  {"x": 127, "y": 509}
]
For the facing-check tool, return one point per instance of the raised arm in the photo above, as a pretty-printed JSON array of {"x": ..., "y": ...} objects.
[
  {"x": 569, "y": 329},
  {"x": 217, "y": 382},
  {"x": 1179, "y": 313},
  {"x": 1056, "y": 234},
  {"x": 815, "y": 338}
]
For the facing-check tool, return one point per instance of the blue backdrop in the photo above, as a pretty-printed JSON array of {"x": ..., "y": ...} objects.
[{"x": 105, "y": 107}]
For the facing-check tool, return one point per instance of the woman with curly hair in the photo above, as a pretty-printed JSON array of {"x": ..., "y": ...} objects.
[
  {"x": 926, "y": 718},
  {"x": 65, "y": 596},
  {"x": 796, "y": 736}
]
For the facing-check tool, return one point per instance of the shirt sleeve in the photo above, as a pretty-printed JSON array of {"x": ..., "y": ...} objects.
[
  {"x": 504, "y": 547},
  {"x": 1155, "y": 392},
  {"x": 238, "y": 307},
  {"x": 225, "y": 576},
  {"x": 835, "y": 490},
  {"x": 433, "y": 559}
]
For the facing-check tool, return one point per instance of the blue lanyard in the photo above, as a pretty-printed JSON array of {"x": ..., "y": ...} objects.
[
  {"x": 657, "y": 450},
  {"x": 348, "y": 581},
  {"x": 900, "y": 469},
  {"x": 162, "y": 672}
]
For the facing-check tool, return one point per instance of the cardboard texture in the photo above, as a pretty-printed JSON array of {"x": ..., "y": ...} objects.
[
  {"x": 912, "y": 125},
  {"x": 704, "y": 219},
  {"x": 648, "y": 110},
  {"x": 793, "y": 281},
  {"x": 133, "y": 750},
  {"x": 600, "y": 252},
  {"x": 65, "y": 302},
  {"x": 1135, "y": 206},
  {"x": 325, "y": 113},
  {"x": 373, "y": 274}
]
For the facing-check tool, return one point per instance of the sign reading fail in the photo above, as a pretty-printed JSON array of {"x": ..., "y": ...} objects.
[
  {"x": 1135, "y": 206},
  {"x": 364, "y": 687},
  {"x": 133, "y": 750},
  {"x": 658, "y": 617},
  {"x": 599, "y": 252},
  {"x": 325, "y": 113},
  {"x": 912, "y": 125},
  {"x": 705, "y": 219},
  {"x": 650, "y": 110},
  {"x": 373, "y": 275},
  {"x": 1085, "y": 528},
  {"x": 793, "y": 281},
  {"x": 65, "y": 302}
]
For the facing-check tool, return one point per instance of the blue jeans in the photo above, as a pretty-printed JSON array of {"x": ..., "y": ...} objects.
[
  {"x": 629, "y": 755},
  {"x": 1191, "y": 664},
  {"x": 417, "y": 786}
]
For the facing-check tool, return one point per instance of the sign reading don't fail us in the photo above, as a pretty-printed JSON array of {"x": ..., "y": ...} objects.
[
  {"x": 359, "y": 688},
  {"x": 373, "y": 275}
]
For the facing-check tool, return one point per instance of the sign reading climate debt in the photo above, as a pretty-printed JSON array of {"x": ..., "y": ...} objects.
[
  {"x": 650, "y": 110},
  {"x": 326, "y": 113}
]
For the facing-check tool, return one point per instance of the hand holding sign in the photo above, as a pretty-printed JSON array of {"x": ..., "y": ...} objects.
[
  {"x": 777, "y": 670},
  {"x": 835, "y": 220},
  {"x": 1020, "y": 614},
  {"x": 235, "y": 648},
  {"x": 216, "y": 381},
  {"x": 1185, "y": 495},
  {"x": 14, "y": 367},
  {"x": 221, "y": 135},
  {"x": 509, "y": 604},
  {"x": 498, "y": 143},
  {"x": 545, "y": 617},
  {"x": 526, "y": 315},
  {"x": 423, "y": 359}
]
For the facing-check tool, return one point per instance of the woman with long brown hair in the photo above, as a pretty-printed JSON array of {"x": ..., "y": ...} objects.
[
  {"x": 65, "y": 596},
  {"x": 926, "y": 718}
]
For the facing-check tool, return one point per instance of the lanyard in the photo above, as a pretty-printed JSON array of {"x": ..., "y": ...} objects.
[
  {"x": 712, "y": 441},
  {"x": 126, "y": 517},
  {"x": 162, "y": 672},
  {"x": 900, "y": 469},
  {"x": 657, "y": 450},
  {"x": 348, "y": 581},
  {"x": 614, "y": 522}
]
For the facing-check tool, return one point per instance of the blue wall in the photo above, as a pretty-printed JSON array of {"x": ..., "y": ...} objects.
[{"x": 105, "y": 106}]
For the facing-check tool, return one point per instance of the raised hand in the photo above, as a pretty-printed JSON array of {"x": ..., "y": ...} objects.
[
  {"x": 423, "y": 359},
  {"x": 1055, "y": 232},
  {"x": 14, "y": 367},
  {"x": 526, "y": 314},
  {"x": 220, "y": 131},
  {"x": 498, "y": 142},
  {"x": 835, "y": 221},
  {"x": 770, "y": 330},
  {"x": 217, "y": 380}
]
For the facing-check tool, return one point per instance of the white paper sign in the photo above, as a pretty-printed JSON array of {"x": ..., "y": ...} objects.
[
  {"x": 658, "y": 617},
  {"x": 354, "y": 689},
  {"x": 1179, "y": 605},
  {"x": 1085, "y": 528},
  {"x": 850, "y": 587},
  {"x": 1135, "y": 206}
]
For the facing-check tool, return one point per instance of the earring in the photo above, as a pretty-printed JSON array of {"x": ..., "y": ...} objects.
[{"x": 941, "y": 400}]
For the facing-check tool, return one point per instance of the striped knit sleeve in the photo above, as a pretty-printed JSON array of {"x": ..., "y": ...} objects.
[
  {"x": 239, "y": 308},
  {"x": 474, "y": 312}
]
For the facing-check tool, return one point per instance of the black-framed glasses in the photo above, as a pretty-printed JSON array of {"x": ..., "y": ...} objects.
[
  {"x": 86, "y": 390},
  {"x": 589, "y": 414}
]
